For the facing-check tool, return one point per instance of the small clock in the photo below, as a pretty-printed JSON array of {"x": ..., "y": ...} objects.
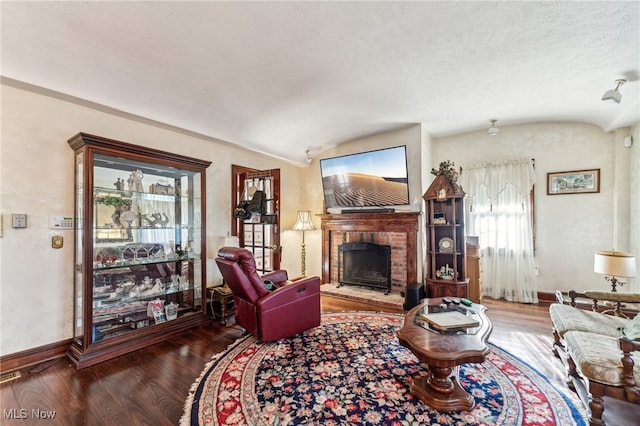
[{"x": 445, "y": 245}]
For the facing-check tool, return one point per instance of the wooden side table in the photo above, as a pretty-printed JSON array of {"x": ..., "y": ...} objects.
[{"x": 221, "y": 302}]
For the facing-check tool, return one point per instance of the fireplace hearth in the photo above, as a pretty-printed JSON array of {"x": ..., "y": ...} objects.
[{"x": 365, "y": 264}]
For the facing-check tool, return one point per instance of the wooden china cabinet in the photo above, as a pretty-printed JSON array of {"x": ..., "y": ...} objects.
[
  {"x": 140, "y": 248},
  {"x": 446, "y": 246}
]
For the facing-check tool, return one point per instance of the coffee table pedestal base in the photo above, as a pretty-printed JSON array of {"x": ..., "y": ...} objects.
[
  {"x": 443, "y": 353},
  {"x": 440, "y": 390}
]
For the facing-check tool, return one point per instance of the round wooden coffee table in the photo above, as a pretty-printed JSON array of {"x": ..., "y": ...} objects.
[{"x": 443, "y": 349}]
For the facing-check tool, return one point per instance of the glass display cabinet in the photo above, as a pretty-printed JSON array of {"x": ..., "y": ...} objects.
[{"x": 140, "y": 268}]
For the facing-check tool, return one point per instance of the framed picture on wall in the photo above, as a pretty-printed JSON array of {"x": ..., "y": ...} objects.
[{"x": 573, "y": 182}]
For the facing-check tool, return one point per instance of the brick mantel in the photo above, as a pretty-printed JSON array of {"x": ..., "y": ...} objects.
[{"x": 404, "y": 223}]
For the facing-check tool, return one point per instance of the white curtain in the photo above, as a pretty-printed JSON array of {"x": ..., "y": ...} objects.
[{"x": 499, "y": 213}]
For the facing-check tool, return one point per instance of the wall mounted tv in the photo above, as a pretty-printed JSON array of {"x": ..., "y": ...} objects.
[{"x": 367, "y": 179}]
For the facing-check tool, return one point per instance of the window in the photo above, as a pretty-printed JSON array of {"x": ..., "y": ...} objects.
[{"x": 500, "y": 212}]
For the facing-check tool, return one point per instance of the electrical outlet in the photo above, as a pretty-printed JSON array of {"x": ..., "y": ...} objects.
[{"x": 19, "y": 220}]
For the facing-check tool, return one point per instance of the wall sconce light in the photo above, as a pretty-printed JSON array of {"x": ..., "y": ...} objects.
[
  {"x": 303, "y": 223},
  {"x": 614, "y": 264},
  {"x": 614, "y": 94},
  {"x": 493, "y": 130}
]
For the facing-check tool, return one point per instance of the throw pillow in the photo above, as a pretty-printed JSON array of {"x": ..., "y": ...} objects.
[{"x": 632, "y": 329}]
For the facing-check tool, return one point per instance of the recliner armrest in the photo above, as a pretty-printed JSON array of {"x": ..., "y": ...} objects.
[
  {"x": 290, "y": 292},
  {"x": 276, "y": 277}
]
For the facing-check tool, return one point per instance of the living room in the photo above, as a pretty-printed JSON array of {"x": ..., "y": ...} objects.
[
  {"x": 38, "y": 180},
  {"x": 565, "y": 243}
]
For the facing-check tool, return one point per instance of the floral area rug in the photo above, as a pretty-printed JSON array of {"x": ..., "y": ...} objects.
[{"x": 352, "y": 370}]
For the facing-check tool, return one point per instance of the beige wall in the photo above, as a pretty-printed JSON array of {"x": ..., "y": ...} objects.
[
  {"x": 634, "y": 202},
  {"x": 569, "y": 228},
  {"x": 36, "y": 178}
]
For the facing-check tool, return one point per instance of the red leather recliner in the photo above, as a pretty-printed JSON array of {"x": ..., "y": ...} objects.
[{"x": 293, "y": 307}]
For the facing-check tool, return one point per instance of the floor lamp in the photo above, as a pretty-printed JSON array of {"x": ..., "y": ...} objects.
[{"x": 303, "y": 223}]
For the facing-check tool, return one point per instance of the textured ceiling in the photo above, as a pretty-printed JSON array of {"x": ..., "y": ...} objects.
[{"x": 282, "y": 77}]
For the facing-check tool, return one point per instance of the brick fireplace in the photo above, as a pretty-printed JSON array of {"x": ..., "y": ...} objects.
[{"x": 397, "y": 230}]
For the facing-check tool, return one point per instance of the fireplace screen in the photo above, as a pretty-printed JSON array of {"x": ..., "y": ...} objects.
[{"x": 365, "y": 264}]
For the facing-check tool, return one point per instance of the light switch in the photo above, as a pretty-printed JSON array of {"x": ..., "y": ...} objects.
[
  {"x": 19, "y": 220},
  {"x": 57, "y": 241}
]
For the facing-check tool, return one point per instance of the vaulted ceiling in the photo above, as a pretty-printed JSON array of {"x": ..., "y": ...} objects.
[{"x": 282, "y": 77}]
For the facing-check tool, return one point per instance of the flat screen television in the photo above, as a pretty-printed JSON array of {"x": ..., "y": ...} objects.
[{"x": 366, "y": 179}]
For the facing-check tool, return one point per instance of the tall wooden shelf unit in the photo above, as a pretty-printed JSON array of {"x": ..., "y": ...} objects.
[
  {"x": 446, "y": 247},
  {"x": 139, "y": 238}
]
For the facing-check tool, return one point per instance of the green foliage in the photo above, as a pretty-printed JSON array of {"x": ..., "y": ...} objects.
[
  {"x": 447, "y": 169},
  {"x": 109, "y": 200}
]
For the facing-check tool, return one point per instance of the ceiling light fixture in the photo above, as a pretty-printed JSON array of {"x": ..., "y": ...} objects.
[
  {"x": 493, "y": 130},
  {"x": 309, "y": 159},
  {"x": 614, "y": 94}
]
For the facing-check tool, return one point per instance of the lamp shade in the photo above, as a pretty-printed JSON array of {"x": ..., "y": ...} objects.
[
  {"x": 614, "y": 263},
  {"x": 303, "y": 222}
]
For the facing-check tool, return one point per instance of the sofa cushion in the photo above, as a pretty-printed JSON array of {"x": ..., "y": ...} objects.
[
  {"x": 566, "y": 318},
  {"x": 599, "y": 358}
]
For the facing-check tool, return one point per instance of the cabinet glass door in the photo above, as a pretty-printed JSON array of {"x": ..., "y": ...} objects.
[
  {"x": 79, "y": 296},
  {"x": 146, "y": 241}
]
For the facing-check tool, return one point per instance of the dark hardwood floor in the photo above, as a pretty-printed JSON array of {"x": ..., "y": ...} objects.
[{"x": 149, "y": 386}]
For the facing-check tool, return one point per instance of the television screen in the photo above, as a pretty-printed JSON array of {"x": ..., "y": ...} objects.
[{"x": 372, "y": 178}]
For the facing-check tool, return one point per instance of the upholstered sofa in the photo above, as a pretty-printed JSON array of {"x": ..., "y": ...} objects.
[{"x": 599, "y": 348}]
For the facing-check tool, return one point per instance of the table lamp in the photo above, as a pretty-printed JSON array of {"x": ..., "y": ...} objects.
[
  {"x": 303, "y": 223},
  {"x": 614, "y": 264}
]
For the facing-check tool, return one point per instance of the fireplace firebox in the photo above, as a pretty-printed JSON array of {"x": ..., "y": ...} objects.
[{"x": 365, "y": 264}]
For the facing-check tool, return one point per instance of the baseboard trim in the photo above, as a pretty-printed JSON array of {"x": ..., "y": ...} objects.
[
  {"x": 545, "y": 298},
  {"x": 33, "y": 356}
]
